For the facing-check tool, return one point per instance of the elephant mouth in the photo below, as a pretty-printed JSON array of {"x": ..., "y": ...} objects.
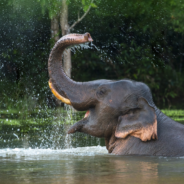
[
  {"x": 78, "y": 126},
  {"x": 87, "y": 114}
]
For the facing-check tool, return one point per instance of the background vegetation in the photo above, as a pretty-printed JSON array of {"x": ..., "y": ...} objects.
[{"x": 139, "y": 40}]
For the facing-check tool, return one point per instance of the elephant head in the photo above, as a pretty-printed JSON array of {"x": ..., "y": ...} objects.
[{"x": 114, "y": 108}]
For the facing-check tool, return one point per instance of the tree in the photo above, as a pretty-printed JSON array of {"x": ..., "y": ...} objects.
[
  {"x": 137, "y": 40},
  {"x": 58, "y": 12},
  {"x": 140, "y": 40}
]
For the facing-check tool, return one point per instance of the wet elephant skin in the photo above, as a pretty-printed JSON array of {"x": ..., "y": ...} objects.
[{"x": 123, "y": 111}]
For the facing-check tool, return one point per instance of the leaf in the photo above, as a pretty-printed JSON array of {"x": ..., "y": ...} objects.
[
  {"x": 135, "y": 76},
  {"x": 93, "y": 5},
  {"x": 83, "y": 2},
  {"x": 85, "y": 8}
]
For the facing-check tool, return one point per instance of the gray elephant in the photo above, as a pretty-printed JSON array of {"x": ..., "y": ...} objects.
[{"x": 123, "y": 111}]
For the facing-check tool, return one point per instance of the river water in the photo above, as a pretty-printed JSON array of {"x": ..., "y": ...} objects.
[
  {"x": 44, "y": 153},
  {"x": 86, "y": 165}
]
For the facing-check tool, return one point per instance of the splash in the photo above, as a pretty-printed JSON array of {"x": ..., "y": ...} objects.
[{"x": 40, "y": 153}]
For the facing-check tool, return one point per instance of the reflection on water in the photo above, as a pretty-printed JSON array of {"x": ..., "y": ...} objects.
[{"x": 86, "y": 165}]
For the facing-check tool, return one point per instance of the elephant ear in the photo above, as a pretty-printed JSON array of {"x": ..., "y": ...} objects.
[{"x": 140, "y": 122}]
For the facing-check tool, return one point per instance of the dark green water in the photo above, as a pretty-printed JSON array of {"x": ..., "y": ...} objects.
[{"x": 87, "y": 165}]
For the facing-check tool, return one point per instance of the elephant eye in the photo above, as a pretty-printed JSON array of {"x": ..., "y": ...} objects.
[{"x": 101, "y": 92}]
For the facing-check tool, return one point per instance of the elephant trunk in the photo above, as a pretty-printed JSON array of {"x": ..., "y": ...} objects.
[{"x": 77, "y": 94}]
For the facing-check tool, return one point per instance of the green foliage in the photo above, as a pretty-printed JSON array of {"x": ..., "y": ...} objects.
[
  {"x": 38, "y": 116},
  {"x": 137, "y": 40},
  {"x": 54, "y": 6},
  {"x": 176, "y": 15},
  {"x": 177, "y": 115},
  {"x": 140, "y": 40}
]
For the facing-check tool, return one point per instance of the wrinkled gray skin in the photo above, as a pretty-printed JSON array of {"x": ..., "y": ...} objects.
[{"x": 118, "y": 110}]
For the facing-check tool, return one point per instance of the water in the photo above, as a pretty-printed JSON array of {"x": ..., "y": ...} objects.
[
  {"x": 86, "y": 165},
  {"x": 46, "y": 129},
  {"x": 44, "y": 153}
]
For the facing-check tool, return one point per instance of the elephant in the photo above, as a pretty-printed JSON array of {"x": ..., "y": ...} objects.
[{"x": 120, "y": 111}]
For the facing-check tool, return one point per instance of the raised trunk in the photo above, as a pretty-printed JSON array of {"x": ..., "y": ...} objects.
[
  {"x": 55, "y": 38},
  {"x": 79, "y": 94},
  {"x": 67, "y": 62}
]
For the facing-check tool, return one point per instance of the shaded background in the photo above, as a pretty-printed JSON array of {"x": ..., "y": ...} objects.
[
  {"x": 142, "y": 41},
  {"x": 139, "y": 40}
]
